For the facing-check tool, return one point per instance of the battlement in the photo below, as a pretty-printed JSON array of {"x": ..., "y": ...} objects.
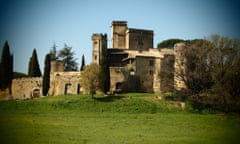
[{"x": 119, "y": 23}]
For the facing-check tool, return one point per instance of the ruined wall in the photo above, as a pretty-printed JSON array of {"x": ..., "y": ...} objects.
[
  {"x": 62, "y": 83},
  {"x": 26, "y": 88}
]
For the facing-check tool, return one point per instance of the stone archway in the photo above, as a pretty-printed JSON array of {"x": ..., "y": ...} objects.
[
  {"x": 35, "y": 93},
  {"x": 118, "y": 86},
  {"x": 67, "y": 87}
]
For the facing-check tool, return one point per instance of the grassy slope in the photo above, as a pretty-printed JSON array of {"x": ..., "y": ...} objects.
[{"x": 135, "y": 118}]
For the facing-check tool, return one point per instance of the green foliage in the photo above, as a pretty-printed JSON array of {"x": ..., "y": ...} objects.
[
  {"x": 46, "y": 75},
  {"x": 90, "y": 78},
  {"x": 33, "y": 66},
  {"x": 19, "y": 75},
  {"x": 169, "y": 43},
  {"x": 67, "y": 56},
  {"x": 6, "y": 67}
]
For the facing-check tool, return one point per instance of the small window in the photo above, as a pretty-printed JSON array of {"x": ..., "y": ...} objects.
[
  {"x": 151, "y": 72},
  {"x": 151, "y": 62}
]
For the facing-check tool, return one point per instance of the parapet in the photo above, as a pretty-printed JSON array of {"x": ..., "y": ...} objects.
[{"x": 119, "y": 23}]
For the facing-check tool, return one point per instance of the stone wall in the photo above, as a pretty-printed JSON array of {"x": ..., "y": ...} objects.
[
  {"x": 138, "y": 39},
  {"x": 26, "y": 88},
  {"x": 62, "y": 83}
]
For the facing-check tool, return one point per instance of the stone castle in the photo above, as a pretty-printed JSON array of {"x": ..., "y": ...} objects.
[{"x": 134, "y": 65}]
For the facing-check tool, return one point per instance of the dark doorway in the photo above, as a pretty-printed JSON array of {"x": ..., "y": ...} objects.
[
  {"x": 78, "y": 88},
  {"x": 67, "y": 86}
]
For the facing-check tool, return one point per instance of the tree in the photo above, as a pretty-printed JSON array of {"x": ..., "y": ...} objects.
[
  {"x": 6, "y": 68},
  {"x": 67, "y": 56},
  {"x": 104, "y": 78},
  {"x": 53, "y": 52},
  {"x": 225, "y": 70},
  {"x": 33, "y": 66},
  {"x": 90, "y": 78},
  {"x": 83, "y": 63},
  {"x": 195, "y": 73},
  {"x": 169, "y": 43},
  {"x": 46, "y": 75},
  {"x": 211, "y": 72}
]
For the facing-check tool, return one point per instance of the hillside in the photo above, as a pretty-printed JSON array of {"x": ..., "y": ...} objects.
[{"x": 129, "y": 118}]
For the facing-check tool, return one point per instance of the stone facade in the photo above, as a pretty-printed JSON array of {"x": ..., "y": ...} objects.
[
  {"x": 26, "y": 88},
  {"x": 134, "y": 66},
  {"x": 61, "y": 83},
  {"x": 133, "y": 62}
]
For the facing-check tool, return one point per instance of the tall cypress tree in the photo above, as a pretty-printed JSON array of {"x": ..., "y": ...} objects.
[
  {"x": 46, "y": 75},
  {"x": 104, "y": 77},
  {"x": 83, "y": 63},
  {"x": 6, "y": 67},
  {"x": 33, "y": 67}
]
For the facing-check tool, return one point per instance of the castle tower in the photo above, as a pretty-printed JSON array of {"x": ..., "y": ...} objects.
[
  {"x": 179, "y": 66},
  {"x": 99, "y": 47},
  {"x": 119, "y": 29}
]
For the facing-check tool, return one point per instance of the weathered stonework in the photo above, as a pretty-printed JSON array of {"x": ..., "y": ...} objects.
[
  {"x": 134, "y": 65},
  {"x": 26, "y": 88},
  {"x": 62, "y": 83}
]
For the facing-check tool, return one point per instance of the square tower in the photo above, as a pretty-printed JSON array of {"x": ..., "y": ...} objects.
[
  {"x": 99, "y": 47},
  {"x": 119, "y": 29}
]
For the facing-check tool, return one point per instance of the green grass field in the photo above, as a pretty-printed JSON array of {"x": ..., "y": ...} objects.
[{"x": 131, "y": 118}]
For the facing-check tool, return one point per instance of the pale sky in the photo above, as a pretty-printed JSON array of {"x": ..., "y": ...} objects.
[{"x": 29, "y": 24}]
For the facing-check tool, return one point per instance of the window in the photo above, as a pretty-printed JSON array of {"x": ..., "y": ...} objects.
[
  {"x": 151, "y": 62},
  {"x": 151, "y": 72}
]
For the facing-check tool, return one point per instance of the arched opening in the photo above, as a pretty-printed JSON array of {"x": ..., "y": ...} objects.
[
  {"x": 36, "y": 93},
  {"x": 67, "y": 86},
  {"x": 118, "y": 86}
]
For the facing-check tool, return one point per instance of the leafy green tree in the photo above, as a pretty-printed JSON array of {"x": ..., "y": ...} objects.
[
  {"x": 90, "y": 78},
  {"x": 6, "y": 68},
  {"x": 46, "y": 75},
  {"x": 67, "y": 56},
  {"x": 33, "y": 67},
  {"x": 169, "y": 43},
  {"x": 83, "y": 63}
]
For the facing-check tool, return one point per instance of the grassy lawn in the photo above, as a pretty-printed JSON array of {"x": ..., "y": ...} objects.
[{"x": 122, "y": 119}]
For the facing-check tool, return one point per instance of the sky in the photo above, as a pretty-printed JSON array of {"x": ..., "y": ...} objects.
[{"x": 29, "y": 24}]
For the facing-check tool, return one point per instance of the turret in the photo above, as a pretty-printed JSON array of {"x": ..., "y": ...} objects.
[{"x": 99, "y": 46}]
